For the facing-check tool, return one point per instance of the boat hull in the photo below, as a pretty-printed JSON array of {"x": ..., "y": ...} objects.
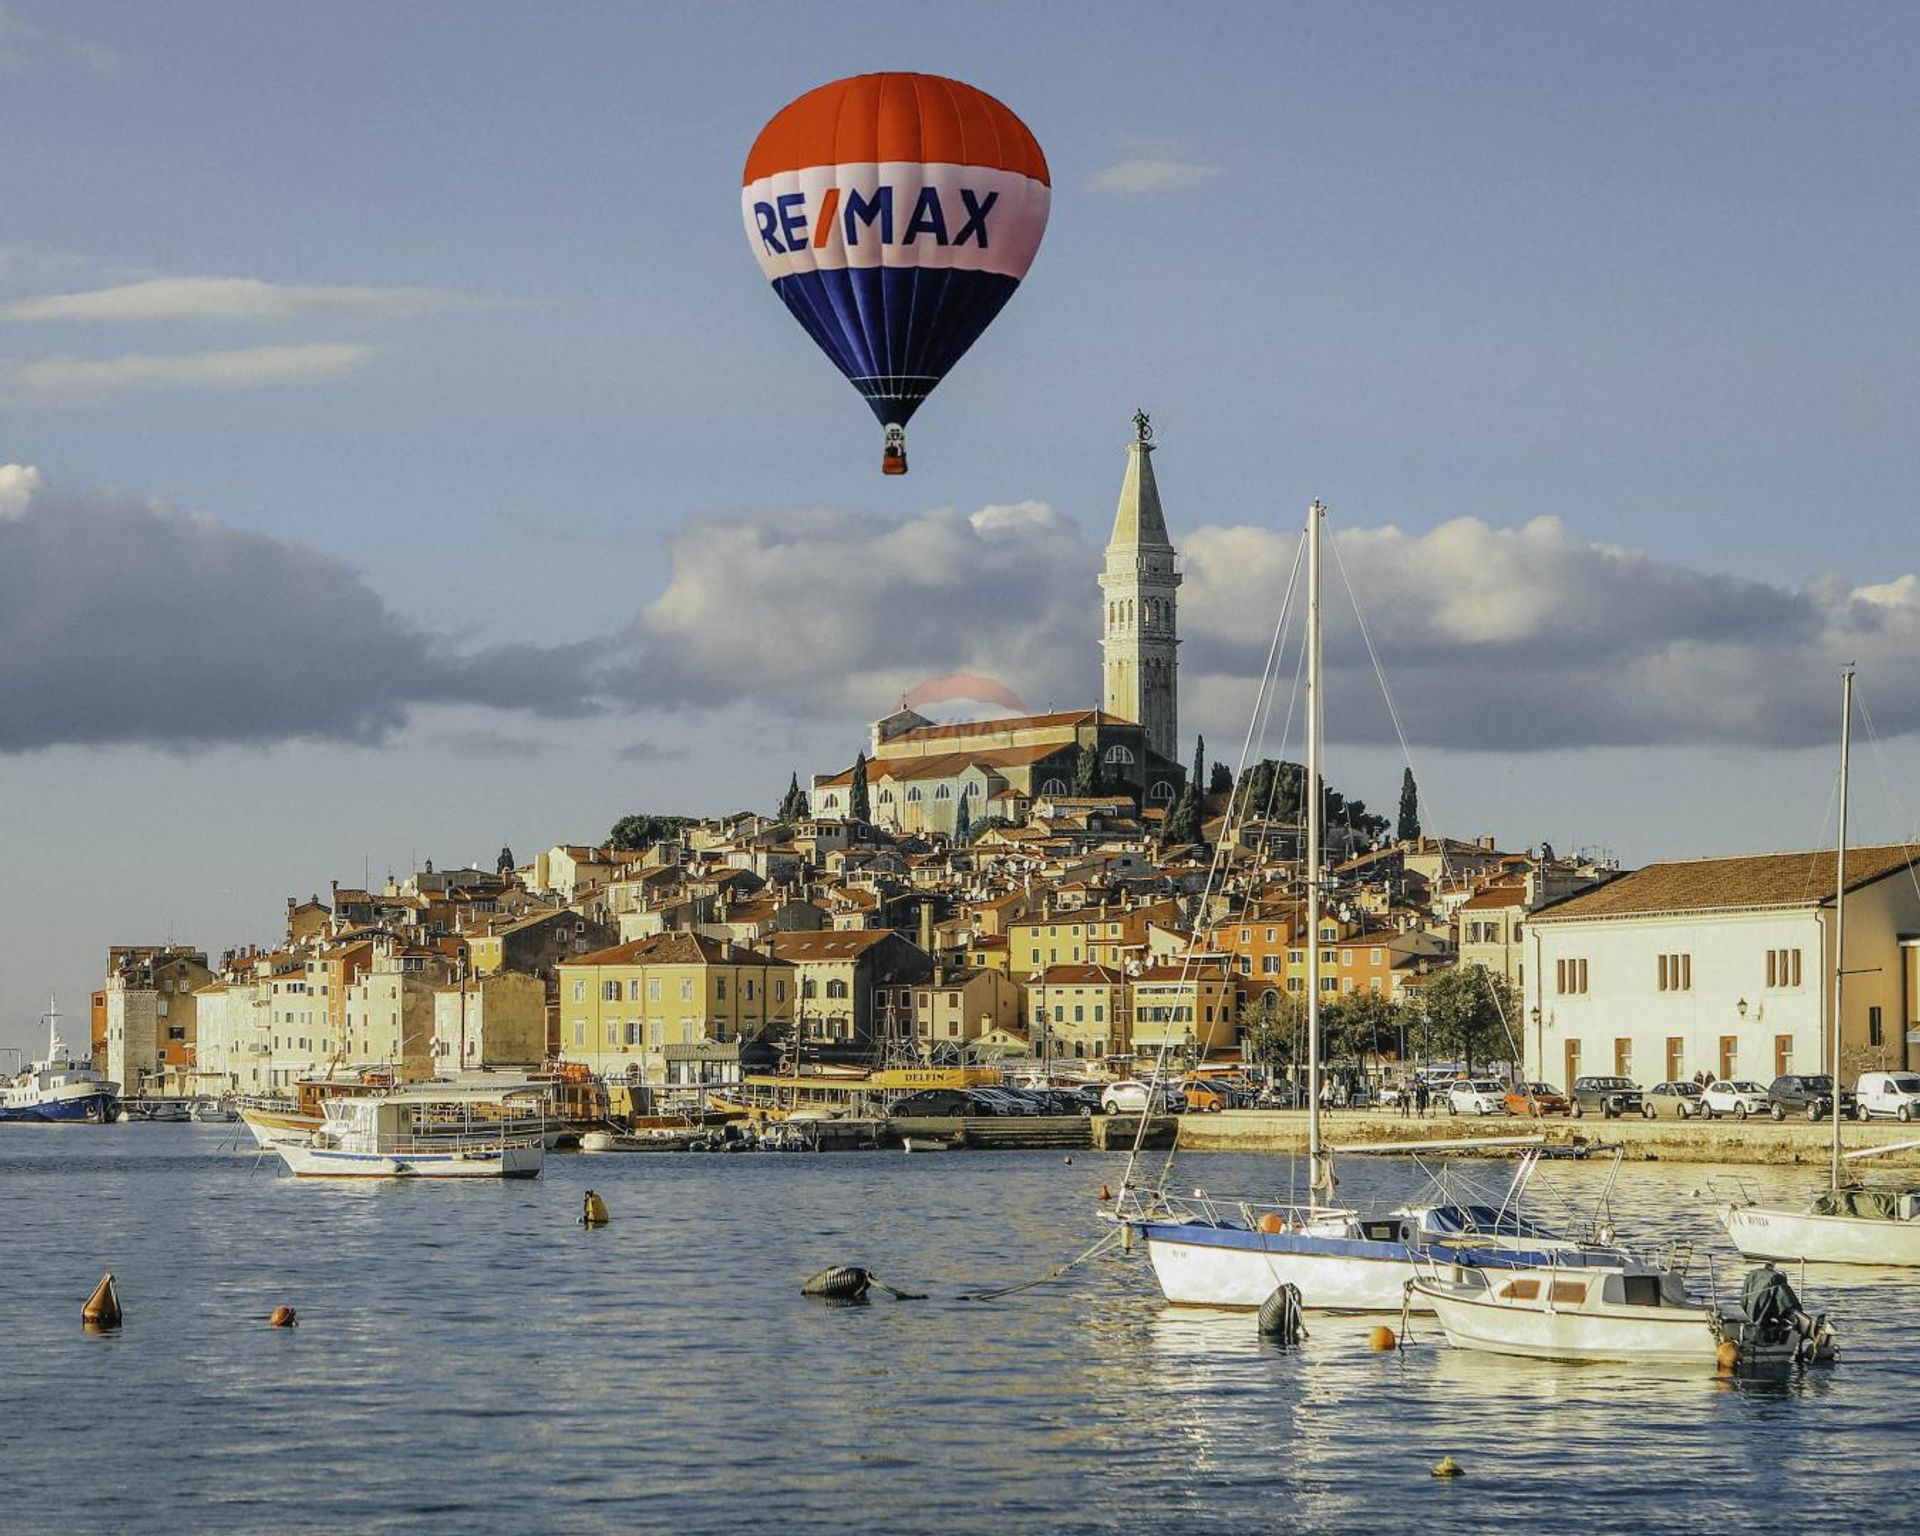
[
  {"x": 1675, "y": 1335},
  {"x": 1763, "y": 1232},
  {"x": 511, "y": 1162},
  {"x": 1240, "y": 1270},
  {"x": 91, "y": 1107}
]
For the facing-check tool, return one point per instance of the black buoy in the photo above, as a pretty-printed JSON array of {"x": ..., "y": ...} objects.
[
  {"x": 848, "y": 1282},
  {"x": 1280, "y": 1317}
]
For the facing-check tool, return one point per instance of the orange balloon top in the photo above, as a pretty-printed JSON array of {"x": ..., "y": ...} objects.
[{"x": 915, "y": 118}]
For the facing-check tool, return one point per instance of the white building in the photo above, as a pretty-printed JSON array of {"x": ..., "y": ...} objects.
[{"x": 1726, "y": 966}]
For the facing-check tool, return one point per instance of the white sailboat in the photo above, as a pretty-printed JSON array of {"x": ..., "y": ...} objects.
[
  {"x": 1843, "y": 1224},
  {"x": 1220, "y": 1252}
]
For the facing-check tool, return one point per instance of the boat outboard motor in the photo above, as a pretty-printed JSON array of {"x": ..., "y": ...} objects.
[{"x": 1773, "y": 1309}]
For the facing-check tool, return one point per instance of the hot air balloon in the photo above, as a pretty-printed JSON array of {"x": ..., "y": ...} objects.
[{"x": 895, "y": 214}]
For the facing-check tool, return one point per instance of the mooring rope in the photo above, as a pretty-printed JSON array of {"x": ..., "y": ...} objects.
[{"x": 1109, "y": 1240}]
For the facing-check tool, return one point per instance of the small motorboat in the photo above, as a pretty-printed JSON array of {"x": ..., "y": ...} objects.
[
  {"x": 920, "y": 1141},
  {"x": 1631, "y": 1312}
]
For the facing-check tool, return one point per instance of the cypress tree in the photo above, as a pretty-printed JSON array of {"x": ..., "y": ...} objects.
[
  {"x": 1086, "y": 774},
  {"x": 857, "y": 807},
  {"x": 962, "y": 822},
  {"x": 1409, "y": 827}
]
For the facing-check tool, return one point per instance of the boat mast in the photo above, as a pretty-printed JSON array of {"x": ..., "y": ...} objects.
[
  {"x": 1840, "y": 910},
  {"x": 1311, "y": 804}
]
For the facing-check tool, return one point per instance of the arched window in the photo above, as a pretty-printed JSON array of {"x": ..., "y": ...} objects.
[
  {"x": 913, "y": 795},
  {"x": 969, "y": 789},
  {"x": 806, "y": 986},
  {"x": 836, "y": 988},
  {"x": 886, "y": 797},
  {"x": 832, "y": 802},
  {"x": 1161, "y": 791},
  {"x": 1054, "y": 787},
  {"x": 1119, "y": 754},
  {"x": 944, "y": 792},
  {"x": 1270, "y": 998}
]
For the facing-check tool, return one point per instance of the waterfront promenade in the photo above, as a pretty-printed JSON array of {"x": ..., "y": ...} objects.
[{"x": 1789, "y": 1143}]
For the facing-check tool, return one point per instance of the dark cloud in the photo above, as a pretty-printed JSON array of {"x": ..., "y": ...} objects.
[
  {"x": 123, "y": 622},
  {"x": 647, "y": 752}
]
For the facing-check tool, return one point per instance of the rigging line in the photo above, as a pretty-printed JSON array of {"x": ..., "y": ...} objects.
[
  {"x": 1213, "y": 871},
  {"x": 1886, "y": 785},
  {"x": 1107, "y": 1240},
  {"x": 1380, "y": 676}
]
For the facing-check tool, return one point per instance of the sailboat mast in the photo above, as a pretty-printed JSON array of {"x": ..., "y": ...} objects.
[
  {"x": 1840, "y": 910},
  {"x": 1311, "y": 804}
]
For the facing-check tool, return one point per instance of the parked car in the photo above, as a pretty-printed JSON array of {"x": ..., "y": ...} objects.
[
  {"x": 1078, "y": 1101},
  {"x": 1280, "y": 1096},
  {"x": 1611, "y": 1096},
  {"x": 1210, "y": 1098},
  {"x": 1887, "y": 1093},
  {"x": 1129, "y": 1096},
  {"x": 1537, "y": 1099},
  {"x": 933, "y": 1104},
  {"x": 1740, "y": 1099},
  {"x": 1805, "y": 1093},
  {"x": 1679, "y": 1100},
  {"x": 1477, "y": 1096},
  {"x": 1004, "y": 1101}
]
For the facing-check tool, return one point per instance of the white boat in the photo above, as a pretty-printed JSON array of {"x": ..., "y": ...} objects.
[
  {"x": 922, "y": 1141},
  {"x": 1218, "y": 1252},
  {"x": 1627, "y": 1312},
  {"x": 1844, "y": 1223},
  {"x": 213, "y": 1112},
  {"x": 413, "y": 1136},
  {"x": 59, "y": 1090}
]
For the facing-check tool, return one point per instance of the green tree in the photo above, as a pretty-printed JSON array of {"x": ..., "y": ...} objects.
[
  {"x": 632, "y": 833},
  {"x": 1409, "y": 827},
  {"x": 1364, "y": 1025},
  {"x": 1086, "y": 773},
  {"x": 858, "y": 807},
  {"x": 1470, "y": 1013},
  {"x": 1221, "y": 781},
  {"x": 1198, "y": 778},
  {"x": 984, "y": 825},
  {"x": 793, "y": 804},
  {"x": 962, "y": 821},
  {"x": 1272, "y": 1030}
]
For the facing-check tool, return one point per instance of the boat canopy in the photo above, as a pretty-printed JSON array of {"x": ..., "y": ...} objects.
[{"x": 1874, "y": 1204}]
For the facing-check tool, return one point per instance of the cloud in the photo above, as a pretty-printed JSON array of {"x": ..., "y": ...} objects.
[
  {"x": 235, "y": 299},
  {"x": 1147, "y": 165},
  {"x": 829, "y": 612},
  {"x": 492, "y": 744},
  {"x": 1513, "y": 639},
  {"x": 23, "y": 44},
  {"x": 126, "y": 622},
  {"x": 647, "y": 752},
  {"x": 81, "y": 379}
]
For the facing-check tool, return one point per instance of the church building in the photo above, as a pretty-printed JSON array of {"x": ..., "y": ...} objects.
[{"x": 920, "y": 773}]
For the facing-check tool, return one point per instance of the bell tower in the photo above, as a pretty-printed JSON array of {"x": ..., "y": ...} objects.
[{"x": 1140, "y": 634}]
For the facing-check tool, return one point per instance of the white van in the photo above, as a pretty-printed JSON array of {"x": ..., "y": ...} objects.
[{"x": 1887, "y": 1093}]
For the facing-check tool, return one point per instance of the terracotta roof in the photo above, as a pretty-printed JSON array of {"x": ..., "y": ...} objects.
[
  {"x": 1495, "y": 897},
  {"x": 1004, "y": 724},
  {"x": 676, "y": 949},
  {"x": 1204, "y": 971},
  {"x": 1081, "y": 975},
  {"x": 829, "y": 944},
  {"x": 1752, "y": 880}
]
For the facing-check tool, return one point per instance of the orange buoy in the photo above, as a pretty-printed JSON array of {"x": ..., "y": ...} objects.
[
  {"x": 1271, "y": 1223},
  {"x": 1105, "y": 1193},
  {"x": 284, "y": 1317},
  {"x": 102, "y": 1311},
  {"x": 1381, "y": 1337}
]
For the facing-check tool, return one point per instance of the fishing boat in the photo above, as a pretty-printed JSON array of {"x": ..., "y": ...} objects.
[
  {"x": 59, "y": 1089},
  {"x": 1624, "y": 1312},
  {"x": 1216, "y": 1252},
  {"x": 1843, "y": 1223},
  {"x": 414, "y": 1136}
]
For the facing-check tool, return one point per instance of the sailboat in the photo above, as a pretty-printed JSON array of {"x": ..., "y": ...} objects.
[
  {"x": 1844, "y": 1223},
  {"x": 1230, "y": 1252}
]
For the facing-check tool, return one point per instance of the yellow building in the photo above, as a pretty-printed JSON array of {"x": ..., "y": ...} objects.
[
  {"x": 1078, "y": 1011},
  {"x": 1188, "y": 1007},
  {"x": 1086, "y": 936},
  {"x": 621, "y": 1007}
]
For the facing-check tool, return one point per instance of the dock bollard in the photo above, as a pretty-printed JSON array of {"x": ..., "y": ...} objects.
[
  {"x": 593, "y": 1211},
  {"x": 102, "y": 1310}
]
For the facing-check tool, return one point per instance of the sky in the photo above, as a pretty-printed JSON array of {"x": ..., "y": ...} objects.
[{"x": 401, "y": 454}]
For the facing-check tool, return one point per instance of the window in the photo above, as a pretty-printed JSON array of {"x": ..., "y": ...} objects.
[
  {"x": 686, "y": 989},
  {"x": 944, "y": 792},
  {"x": 653, "y": 989},
  {"x": 1079, "y": 1014},
  {"x": 1676, "y": 973},
  {"x": 633, "y": 990},
  {"x": 613, "y": 1031},
  {"x": 1373, "y": 957},
  {"x": 1118, "y": 754},
  {"x": 1623, "y": 1058},
  {"x": 1296, "y": 984},
  {"x": 609, "y": 991},
  {"x": 1875, "y": 1033},
  {"x": 1059, "y": 1013},
  {"x": 579, "y": 991},
  {"x": 719, "y": 989},
  {"x": 886, "y": 797},
  {"x": 913, "y": 795},
  {"x": 837, "y": 988},
  {"x": 633, "y": 1031},
  {"x": 1161, "y": 791},
  {"x": 1783, "y": 967},
  {"x": 1099, "y": 1013},
  {"x": 779, "y": 991},
  {"x": 1569, "y": 977},
  {"x": 1329, "y": 983},
  {"x": 1054, "y": 787},
  {"x": 748, "y": 984}
]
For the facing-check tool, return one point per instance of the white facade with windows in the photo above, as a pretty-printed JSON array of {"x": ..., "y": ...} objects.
[{"x": 1648, "y": 984}]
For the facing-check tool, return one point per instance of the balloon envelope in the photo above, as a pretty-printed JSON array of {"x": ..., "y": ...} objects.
[{"x": 894, "y": 215}]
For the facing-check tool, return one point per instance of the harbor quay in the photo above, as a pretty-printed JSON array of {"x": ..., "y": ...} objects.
[{"x": 1757, "y": 1141}]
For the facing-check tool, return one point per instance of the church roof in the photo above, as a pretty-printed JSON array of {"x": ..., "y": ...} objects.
[
  {"x": 1000, "y": 726},
  {"x": 1138, "y": 520}
]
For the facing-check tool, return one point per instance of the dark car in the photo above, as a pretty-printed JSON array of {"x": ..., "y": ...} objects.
[
  {"x": 1805, "y": 1093},
  {"x": 1611, "y": 1096},
  {"x": 934, "y": 1104}
]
